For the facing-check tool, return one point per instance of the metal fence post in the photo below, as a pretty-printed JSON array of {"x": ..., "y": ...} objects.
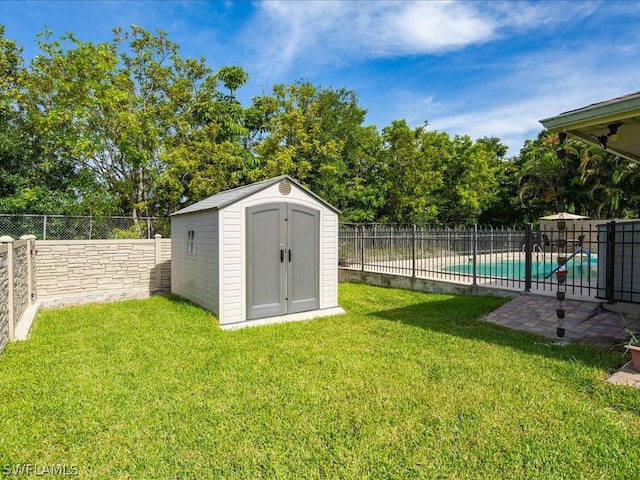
[
  {"x": 528, "y": 257},
  {"x": 491, "y": 242},
  {"x": 362, "y": 247},
  {"x": 610, "y": 264},
  {"x": 30, "y": 246},
  {"x": 44, "y": 228},
  {"x": 148, "y": 228},
  {"x": 475, "y": 253},
  {"x": 413, "y": 251},
  {"x": 157, "y": 246}
]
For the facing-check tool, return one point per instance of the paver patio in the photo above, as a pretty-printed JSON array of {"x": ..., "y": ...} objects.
[{"x": 585, "y": 322}]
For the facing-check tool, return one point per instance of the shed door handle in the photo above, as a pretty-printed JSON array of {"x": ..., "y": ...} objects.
[
  {"x": 289, "y": 255},
  {"x": 281, "y": 255}
]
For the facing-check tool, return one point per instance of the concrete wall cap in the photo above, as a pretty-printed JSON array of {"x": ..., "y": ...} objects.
[
  {"x": 28, "y": 237},
  {"x": 157, "y": 235},
  {"x": 6, "y": 239}
]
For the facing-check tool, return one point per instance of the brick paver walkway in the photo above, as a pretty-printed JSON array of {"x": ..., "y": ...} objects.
[{"x": 585, "y": 322}]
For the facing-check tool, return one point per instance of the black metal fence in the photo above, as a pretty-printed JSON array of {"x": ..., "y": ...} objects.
[
  {"x": 619, "y": 259},
  {"x": 602, "y": 259},
  {"x": 69, "y": 227}
]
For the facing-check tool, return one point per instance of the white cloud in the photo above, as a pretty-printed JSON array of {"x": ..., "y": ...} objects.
[
  {"x": 424, "y": 27},
  {"x": 310, "y": 35},
  {"x": 530, "y": 88},
  {"x": 523, "y": 15},
  {"x": 319, "y": 33}
]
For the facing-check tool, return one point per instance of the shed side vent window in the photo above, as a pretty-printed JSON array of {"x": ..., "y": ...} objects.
[{"x": 191, "y": 242}]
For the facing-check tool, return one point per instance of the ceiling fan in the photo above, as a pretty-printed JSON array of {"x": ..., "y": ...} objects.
[{"x": 613, "y": 135}]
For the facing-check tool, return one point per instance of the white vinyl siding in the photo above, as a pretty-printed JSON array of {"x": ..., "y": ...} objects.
[
  {"x": 329, "y": 260},
  {"x": 231, "y": 267},
  {"x": 195, "y": 276}
]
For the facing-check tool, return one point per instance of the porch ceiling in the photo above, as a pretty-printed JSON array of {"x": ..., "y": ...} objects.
[{"x": 595, "y": 119}]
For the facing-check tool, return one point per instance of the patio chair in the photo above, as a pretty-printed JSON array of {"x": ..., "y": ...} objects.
[{"x": 546, "y": 242}]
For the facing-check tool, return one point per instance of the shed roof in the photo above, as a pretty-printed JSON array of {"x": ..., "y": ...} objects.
[{"x": 228, "y": 197}]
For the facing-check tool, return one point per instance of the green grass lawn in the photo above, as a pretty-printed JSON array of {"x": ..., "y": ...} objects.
[{"x": 405, "y": 385}]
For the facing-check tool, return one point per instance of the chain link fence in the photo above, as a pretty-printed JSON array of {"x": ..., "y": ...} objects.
[{"x": 69, "y": 227}]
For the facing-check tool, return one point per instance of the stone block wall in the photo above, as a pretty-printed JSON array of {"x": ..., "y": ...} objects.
[
  {"x": 4, "y": 298},
  {"x": 21, "y": 278},
  {"x": 165, "y": 262},
  {"x": 78, "y": 267}
]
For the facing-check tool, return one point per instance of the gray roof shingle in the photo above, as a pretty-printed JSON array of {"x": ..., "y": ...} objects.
[{"x": 228, "y": 197}]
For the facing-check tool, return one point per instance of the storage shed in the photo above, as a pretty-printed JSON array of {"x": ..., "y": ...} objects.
[{"x": 261, "y": 253}]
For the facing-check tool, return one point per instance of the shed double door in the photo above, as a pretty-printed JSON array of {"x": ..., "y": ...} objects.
[{"x": 282, "y": 259}]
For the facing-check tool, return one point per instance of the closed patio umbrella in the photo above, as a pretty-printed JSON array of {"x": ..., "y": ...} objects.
[{"x": 563, "y": 216}]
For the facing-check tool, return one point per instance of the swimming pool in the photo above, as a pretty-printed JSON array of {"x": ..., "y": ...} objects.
[{"x": 580, "y": 266}]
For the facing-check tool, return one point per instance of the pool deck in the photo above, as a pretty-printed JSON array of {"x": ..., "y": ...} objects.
[{"x": 585, "y": 322}]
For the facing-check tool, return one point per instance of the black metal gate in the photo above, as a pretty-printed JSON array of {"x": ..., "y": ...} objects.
[{"x": 619, "y": 260}]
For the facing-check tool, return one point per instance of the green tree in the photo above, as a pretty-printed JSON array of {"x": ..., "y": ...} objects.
[
  {"x": 606, "y": 185},
  {"x": 317, "y": 136},
  {"x": 29, "y": 182},
  {"x": 295, "y": 144},
  {"x": 367, "y": 182},
  {"x": 112, "y": 110},
  {"x": 594, "y": 180},
  {"x": 469, "y": 181},
  {"x": 209, "y": 155},
  {"x": 435, "y": 179},
  {"x": 411, "y": 157},
  {"x": 537, "y": 177},
  {"x": 504, "y": 210},
  {"x": 13, "y": 149},
  {"x": 341, "y": 125}
]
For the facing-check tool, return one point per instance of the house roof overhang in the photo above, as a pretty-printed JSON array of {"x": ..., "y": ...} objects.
[{"x": 583, "y": 123}]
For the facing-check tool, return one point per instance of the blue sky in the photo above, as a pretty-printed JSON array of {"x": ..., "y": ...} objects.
[{"x": 472, "y": 68}]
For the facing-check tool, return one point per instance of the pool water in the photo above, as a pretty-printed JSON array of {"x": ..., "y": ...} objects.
[{"x": 579, "y": 266}]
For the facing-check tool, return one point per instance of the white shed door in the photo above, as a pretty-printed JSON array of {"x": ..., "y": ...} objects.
[{"x": 282, "y": 259}]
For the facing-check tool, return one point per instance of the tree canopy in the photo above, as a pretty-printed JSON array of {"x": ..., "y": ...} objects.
[{"x": 132, "y": 127}]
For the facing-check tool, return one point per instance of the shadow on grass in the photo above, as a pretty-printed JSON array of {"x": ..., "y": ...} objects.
[
  {"x": 178, "y": 300},
  {"x": 459, "y": 317}
]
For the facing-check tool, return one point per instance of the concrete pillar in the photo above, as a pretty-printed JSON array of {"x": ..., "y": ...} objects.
[
  {"x": 158, "y": 250},
  {"x": 30, "y": 266},
  {"x": 9, "y": 242}
]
